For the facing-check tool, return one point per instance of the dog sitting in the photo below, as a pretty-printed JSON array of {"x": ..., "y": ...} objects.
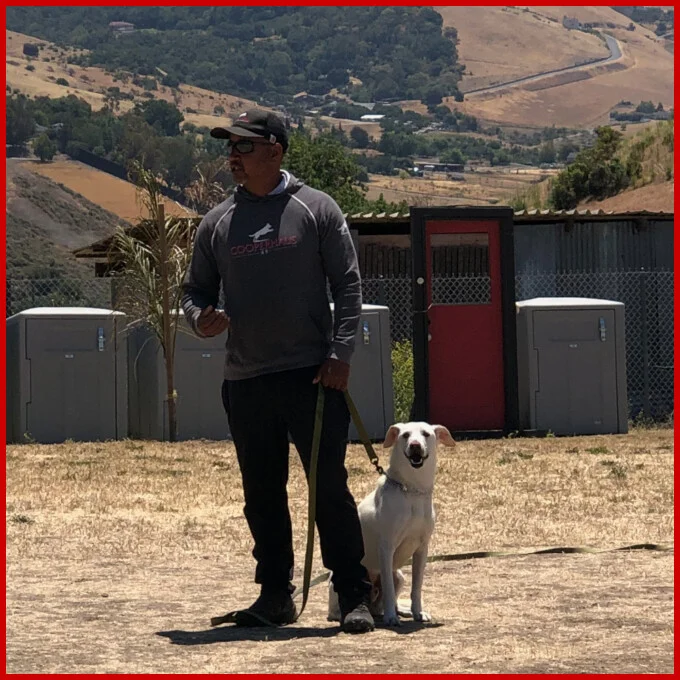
[{"x": 397, "y": 520}]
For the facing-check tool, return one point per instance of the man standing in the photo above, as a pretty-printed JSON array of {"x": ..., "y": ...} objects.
[{"x": 273, "y": 247}]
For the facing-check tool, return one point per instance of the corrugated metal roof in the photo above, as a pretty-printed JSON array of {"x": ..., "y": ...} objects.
[
  {"x": 400, "y": 216},
  {"x": 99, "y": 248}
]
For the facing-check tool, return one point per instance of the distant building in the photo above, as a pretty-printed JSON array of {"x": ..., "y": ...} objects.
[
  {"x": 367, "y": 105},
  {"x": 121, "y": 27},
  {"x": 372, "y": 117}
]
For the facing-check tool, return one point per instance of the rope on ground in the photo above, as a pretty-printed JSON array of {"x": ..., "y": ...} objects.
[{"x": 497, "y": 553}]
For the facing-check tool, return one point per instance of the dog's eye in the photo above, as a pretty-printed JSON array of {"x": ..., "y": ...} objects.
[
  {"x": 425, "y": 434},
  {"x": 406, "y": 435}
]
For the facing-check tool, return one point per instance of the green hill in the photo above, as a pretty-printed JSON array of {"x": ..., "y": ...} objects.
[{"x": 274, "y": 52}]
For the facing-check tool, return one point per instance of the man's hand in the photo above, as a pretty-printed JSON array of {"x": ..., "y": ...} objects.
[
  {"x": 212, "y": 321},
  {"x": 334, "y": 374}
]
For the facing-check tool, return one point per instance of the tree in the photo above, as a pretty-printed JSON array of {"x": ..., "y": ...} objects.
[
  {"x": 323, "y": 164},
  {"x": 155, "y": 256},
  {"x": 646, "y": 107},
  {"x": 20, "y": 121},
  {"x": 359, "y": 137},
  {"x": 546, "y": 153},
  {"x": 44, "y": 148},
  {"x": 162, "y": 116}
]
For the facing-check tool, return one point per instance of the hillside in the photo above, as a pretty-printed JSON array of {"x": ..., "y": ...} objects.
[
  {"x": 537, "y": 40},
  {"x": 253, "y": 52},
  {"x": 653, "y": 197},
  {"x": 498, "y": 44},
  {"x": 45, "y": 222},
  {"x": 92, "y": 83},
  {"x": 112, "y": 194},
  {"x": 648, "y": 159}
]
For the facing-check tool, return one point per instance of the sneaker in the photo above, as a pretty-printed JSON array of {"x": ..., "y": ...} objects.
[
  {"x": 355, "y": 616},
  {"x": 273, "y": 607}
]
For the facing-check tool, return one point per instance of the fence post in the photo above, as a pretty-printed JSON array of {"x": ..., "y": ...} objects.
[{"x": 644, "y": 345}]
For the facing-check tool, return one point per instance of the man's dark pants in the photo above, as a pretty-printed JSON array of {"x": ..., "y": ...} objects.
[{"x": 261, "y": 412}]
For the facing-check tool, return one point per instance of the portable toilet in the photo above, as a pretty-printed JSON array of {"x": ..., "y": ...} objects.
[
  {"x": 572, "y": 366},
  {"x": 198, "y": 377},
  {"x": 66, "y": 375},
  {"x": 370, "y": 378}
]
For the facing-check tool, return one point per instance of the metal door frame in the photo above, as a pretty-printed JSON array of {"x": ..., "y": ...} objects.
[{"x": 505, "y": 218}]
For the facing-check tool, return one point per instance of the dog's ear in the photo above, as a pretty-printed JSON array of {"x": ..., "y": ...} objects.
[
  {"x": 443, "y": 435},
  {"x": 391, "y": 436}
]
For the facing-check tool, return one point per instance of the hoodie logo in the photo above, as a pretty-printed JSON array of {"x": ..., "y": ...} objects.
[
  {"x": 263, "y": 241},
  {"x": 258, "y": 235}
]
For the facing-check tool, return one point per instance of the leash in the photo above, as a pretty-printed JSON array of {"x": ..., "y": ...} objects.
[
  {"x": 308, "y": 582},
  {"x": 567, "y": 550},
  {"x": 363, "y": 434}
]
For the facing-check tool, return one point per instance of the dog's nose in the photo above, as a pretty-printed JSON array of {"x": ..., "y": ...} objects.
[{"x": 415, "y": 449}]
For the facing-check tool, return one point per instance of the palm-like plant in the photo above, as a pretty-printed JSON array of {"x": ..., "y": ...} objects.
[
  {"x": 207, "y": 190},
  {"x": 154, "y": 256}
]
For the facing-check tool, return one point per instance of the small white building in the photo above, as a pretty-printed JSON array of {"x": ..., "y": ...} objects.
[
  {"x": 121, "y": 27},
  {"x": 372, "y": 117}
]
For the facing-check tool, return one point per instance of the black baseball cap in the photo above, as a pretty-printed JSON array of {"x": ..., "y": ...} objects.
[{"x": 255, "y": 123}]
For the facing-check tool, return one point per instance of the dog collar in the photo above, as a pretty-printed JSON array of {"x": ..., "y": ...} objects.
[{"x": 407, "y": 489}]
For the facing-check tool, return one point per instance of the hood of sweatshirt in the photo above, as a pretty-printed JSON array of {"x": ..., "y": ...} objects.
[{"x": 293, "y": 185}]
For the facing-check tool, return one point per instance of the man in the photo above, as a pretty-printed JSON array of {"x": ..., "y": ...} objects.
[{"x": 273, "y": 246}]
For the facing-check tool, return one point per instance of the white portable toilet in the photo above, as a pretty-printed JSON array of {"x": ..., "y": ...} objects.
[
  {"x": 571, "y": 359},
  {"x": 370, "y": 378},
  {"x": 66, "y": 375},
  {"x": 199, "y": 371}
]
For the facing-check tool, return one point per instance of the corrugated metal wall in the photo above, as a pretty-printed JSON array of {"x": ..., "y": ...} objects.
[{"x": 577, "y": 245}]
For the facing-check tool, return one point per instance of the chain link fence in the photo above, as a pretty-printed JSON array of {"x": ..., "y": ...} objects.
[{"x": 648, "y": 297}]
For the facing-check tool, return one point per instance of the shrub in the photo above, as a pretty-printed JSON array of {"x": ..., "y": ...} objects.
[{"x": 402, "y": 377}]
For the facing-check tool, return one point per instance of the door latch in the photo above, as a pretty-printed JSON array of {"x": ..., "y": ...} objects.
[
  {"x": 100, "y": 339},
  {"x": 603, "y": 330}
]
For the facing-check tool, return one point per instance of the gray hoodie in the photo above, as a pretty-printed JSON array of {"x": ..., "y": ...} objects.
[{"x": 273, "y": 256}]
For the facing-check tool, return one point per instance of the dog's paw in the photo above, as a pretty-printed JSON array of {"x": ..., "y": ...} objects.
[{"x": 423, "y": 617}]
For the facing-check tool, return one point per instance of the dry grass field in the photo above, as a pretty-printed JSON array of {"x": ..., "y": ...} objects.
[
  {"x": 487, "y": 186},
  {"x": 645, "y": 71},
  {"x": 111, "y": 193},
  {"x": 119, "y": 553},
  {"x": 90, "y": 83},
  {"x": 498, "y": 44}
]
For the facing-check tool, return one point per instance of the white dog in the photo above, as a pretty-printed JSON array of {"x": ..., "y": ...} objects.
[{"x": 397, "y": 520}]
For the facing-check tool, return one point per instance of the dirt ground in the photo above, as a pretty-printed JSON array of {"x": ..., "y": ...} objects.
[{"x": 119, "y": 553}]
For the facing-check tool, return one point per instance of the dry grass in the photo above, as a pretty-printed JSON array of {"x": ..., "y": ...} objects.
[
  {"x": 111, "y": 193},
  {"x": 487, "y": 186},
  {"x": 645, "y": 72},
  {"x": 90, "y": 83},
  {"x": 498, "y": 44},
  {"x": 115, "y": 550}
]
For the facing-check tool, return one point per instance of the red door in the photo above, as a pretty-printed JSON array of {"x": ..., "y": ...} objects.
[{"x": 465, "y": 332}]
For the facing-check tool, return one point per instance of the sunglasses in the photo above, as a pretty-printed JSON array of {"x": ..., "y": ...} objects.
[{"x": 243, "y": 145}]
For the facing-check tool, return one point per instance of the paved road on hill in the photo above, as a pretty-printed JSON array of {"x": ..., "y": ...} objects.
[{"x": 614, "y": 54}]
